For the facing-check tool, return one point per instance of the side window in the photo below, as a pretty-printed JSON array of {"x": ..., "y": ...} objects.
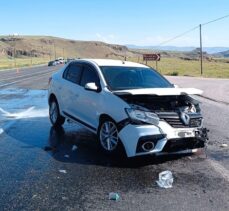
[
  {"x": 73, "y": 73},
  {"x": 89, "y": 75}
]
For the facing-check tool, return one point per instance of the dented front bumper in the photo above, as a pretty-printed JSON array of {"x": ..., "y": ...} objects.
[{"x": 150, "y": 139}]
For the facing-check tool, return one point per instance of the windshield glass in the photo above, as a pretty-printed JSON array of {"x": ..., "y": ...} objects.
[{"x": 120, "y": 78}]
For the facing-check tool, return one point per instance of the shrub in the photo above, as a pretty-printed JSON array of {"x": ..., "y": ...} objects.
[{"x": 174, "y": 73}]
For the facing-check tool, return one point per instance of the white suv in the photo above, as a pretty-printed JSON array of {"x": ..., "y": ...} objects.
[{"x": 127, "y": 105}]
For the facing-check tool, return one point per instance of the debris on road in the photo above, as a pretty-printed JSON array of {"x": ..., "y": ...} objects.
[
  {"x": 74, "y": 147},
  {"x": 165, "y": 179},
  {"x": 63, "y": 171},
  {"x": 224, "y": 145},
  {"x": 66, "y": 156},
  {"x": 64, "y": 198},
  {"x": 114, "y": 196}
]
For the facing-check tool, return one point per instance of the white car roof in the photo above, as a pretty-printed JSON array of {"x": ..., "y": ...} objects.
[{"x": 112, "y": 62}]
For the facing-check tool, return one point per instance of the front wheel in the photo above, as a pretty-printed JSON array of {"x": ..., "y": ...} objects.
[
  {"x": 108, "y": 137},
  {"x": 54, "y": 114}
]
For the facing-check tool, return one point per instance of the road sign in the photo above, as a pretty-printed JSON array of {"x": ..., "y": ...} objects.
[{"x": 152, "y": 57}]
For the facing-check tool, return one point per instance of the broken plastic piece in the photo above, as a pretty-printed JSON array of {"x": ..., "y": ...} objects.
[
  {"x": 74, "y": 147},
  {"x": 224, "y": 145},
  {"x": 63, "y": 171},
  {"x": 165, "y": 179},
  {"x": 114, "y": 196}
]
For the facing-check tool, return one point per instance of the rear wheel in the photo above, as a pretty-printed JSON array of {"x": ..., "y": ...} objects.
[
  {"x": 108, "y": 137},
  {"x": 54, "y": 114}
]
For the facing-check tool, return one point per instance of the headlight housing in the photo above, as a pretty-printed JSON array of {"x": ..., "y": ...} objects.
[{"x": 142, "y": 116}]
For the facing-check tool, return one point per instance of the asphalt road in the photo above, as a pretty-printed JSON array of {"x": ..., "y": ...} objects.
[
  {"x": 28, "y": 78},
  {"x": 32, "y": 154},
  {"x": 214, "y": 89}
]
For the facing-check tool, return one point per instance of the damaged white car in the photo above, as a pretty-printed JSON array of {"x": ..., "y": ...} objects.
[{"x": 128, "y": 105}]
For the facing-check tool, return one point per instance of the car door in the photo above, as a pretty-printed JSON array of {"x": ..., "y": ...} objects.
[
  {"x": 89, "y": 101},
  {"x": 70, "y": 89}
]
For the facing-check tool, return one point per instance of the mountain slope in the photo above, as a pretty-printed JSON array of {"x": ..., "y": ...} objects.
[{"x": 53, "y": 47}]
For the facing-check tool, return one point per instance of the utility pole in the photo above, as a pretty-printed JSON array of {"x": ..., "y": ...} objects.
[
  {"x": 31, "y": 56},
  {"x": 55, "y": 50},
  {"x": 201, "y": 52},
  {"x": 63, "y": 53},
  {"x": 14, "y": 57}
]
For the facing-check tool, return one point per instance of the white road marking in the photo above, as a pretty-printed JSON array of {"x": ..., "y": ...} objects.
[
  {"x": 21, "y": 76},
  {"x": 28, "y": 113},
  {"x": 14, "y": 82},
  {"x": 220, "y": 169}
]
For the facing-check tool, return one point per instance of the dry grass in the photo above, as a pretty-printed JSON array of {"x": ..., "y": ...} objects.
[
  {"x": 21, "y": 62},
  {"x": 175, "y": 66}
]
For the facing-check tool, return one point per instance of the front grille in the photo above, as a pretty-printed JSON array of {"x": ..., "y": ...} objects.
[
  {"x": 174, "y": 120},
  {"x": 176, "y": 123}
]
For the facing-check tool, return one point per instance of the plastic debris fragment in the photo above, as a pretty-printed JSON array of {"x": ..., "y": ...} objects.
[
  {"x": 66, "y": 156},
  {"x": 74, "y": 147},
  {"x": 165, "y": 179},
  {"x": 34, "y": 196},
  {"x": 63, "y": 171},
  {"x": 114, "y": 196},
  {"x": 224, "y": 145}
]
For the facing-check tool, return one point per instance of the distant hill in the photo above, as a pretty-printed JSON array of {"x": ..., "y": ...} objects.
[
  {"x": 53, "y": 47},
  {"x": 223, "y": 54},
  {"x": 209, "y": 50},
  {"x": 46, "y": 46}
]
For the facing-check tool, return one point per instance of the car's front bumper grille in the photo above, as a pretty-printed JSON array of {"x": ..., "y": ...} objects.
[
  {"x": 177, "y": 123},
  {"x": 174, "y": 120}
]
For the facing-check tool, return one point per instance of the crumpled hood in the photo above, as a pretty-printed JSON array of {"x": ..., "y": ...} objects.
[{"x": 160, "y": 91}]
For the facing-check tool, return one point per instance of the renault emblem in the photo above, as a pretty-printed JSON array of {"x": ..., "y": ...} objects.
[{"x": 185, "y": 118}]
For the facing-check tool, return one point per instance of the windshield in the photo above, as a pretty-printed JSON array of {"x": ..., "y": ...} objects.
[{"x": 121, "y": 78}]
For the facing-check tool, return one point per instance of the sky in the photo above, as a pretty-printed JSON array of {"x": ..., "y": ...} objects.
[{"x": 138, "y": 22}]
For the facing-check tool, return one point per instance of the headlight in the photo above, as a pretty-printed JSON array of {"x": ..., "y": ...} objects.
[{"x": 142, "y": 116}]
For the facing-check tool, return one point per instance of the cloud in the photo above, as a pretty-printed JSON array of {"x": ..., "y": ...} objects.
[{"x": 110, "y": 38}]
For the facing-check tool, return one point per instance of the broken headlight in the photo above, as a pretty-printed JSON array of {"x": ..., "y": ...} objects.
[{"x": 142, "y": 116}]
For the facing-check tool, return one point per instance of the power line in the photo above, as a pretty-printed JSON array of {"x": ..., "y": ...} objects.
[
  {"x": 190, "y": 30},
  {"x": 217, "y": 19},
  {"x": 178, "y": 36}
]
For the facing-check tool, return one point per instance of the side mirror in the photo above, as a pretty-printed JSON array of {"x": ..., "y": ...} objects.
[
  {"x": 175, "y": 86},
  {"x": 91, "y": 87}
]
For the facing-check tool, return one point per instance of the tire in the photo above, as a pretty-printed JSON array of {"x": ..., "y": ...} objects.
[
  {"x": 54, "y": 114},
  {"x": 108, "y": 139}
]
